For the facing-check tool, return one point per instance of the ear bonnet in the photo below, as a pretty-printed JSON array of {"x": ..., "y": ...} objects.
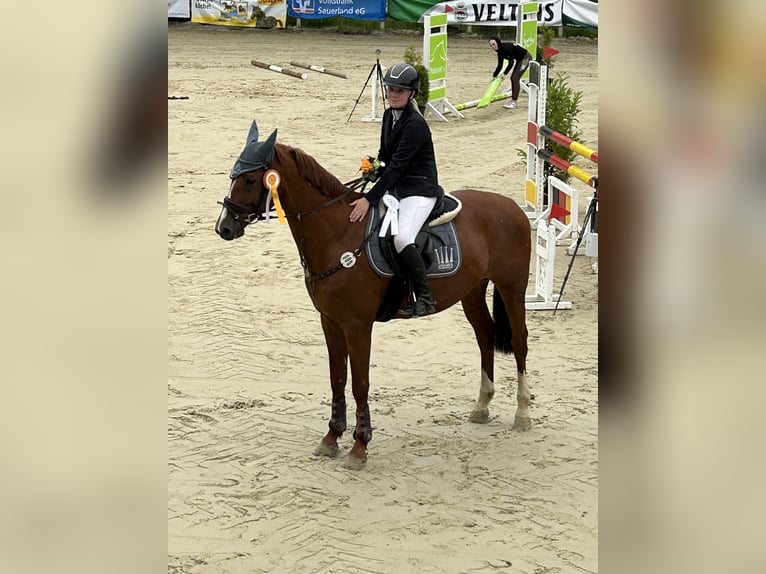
[{"x": 256, "y": 155}]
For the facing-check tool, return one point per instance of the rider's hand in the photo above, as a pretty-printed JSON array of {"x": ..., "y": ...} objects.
[{"x": 360, "y": 207}]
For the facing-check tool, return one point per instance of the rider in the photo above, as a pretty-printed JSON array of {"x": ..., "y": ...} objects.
[{"x": 407, "y": 152}]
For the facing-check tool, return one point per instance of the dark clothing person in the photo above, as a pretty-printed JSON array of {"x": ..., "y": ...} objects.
[
  {"x": 407, "y": 150},
  {"x": 407, "y": 172},
  {"x": 518, "y": 58}
]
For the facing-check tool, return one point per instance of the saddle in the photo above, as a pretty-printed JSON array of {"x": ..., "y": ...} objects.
[{"x": 437, "y": 242}]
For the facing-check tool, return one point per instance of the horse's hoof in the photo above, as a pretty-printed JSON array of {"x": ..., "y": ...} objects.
[
  {"x": 326, "y": 450},
  {"x": 479, "y": 416},
  {"x": 522, "y": 423},
  {"x": 354, "y": 462}
]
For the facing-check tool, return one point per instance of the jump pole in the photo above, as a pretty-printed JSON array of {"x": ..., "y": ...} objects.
[
  {"x": 319, "y": 69},
  {"x": 491, "y": 90},
  {"x": 474, "y": 103},
  {"x": 568, "y": 142},
  {"x": 273, "y": 68},
  {"x": 567, "y": 167}
]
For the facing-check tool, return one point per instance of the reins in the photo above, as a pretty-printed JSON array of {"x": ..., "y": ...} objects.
[
  {"x": 348, "y": 258},
  {"x": 344, "y": 258},
  {"x": 351, "y": 186}
]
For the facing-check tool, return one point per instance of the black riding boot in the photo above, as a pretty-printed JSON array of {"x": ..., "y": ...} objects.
[{"x": 413, "y": 266}]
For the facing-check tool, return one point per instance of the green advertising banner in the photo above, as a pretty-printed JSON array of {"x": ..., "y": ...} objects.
[
  {"x": 409, "y": 10},
  {"x": 529, "y": 27},
  {"x": 437, "y": 57},
  {"x": 527, "y": 32}
]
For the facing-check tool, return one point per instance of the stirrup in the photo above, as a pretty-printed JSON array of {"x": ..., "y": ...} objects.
[
  {"x": 424, "y": 307},
  {"x": 420, "y": 308}
]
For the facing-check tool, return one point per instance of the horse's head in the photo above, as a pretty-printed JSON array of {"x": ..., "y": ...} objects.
[{"x": 247, "y": 198}]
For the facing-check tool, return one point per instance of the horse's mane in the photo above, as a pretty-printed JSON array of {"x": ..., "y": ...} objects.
[{"x": 325, "y": 182}]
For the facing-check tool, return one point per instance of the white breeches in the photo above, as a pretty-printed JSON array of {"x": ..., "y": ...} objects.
[{"x": 413, "y": 212}]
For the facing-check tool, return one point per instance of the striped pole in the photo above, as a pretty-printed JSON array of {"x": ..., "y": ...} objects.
[
  {"x": 475, "y": 103},
  {"x": 319, "y": 69},
  {"x": 273, "y": 68},
  {"x": 568, "y": 142},
  {"x": 567, "y": 167}
]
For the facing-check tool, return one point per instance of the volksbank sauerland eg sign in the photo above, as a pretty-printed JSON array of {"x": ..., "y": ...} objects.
[{"x": 356, "y": 9}]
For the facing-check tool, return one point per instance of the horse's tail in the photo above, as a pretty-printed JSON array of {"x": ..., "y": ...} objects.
[{"x": 502, "y": 324}]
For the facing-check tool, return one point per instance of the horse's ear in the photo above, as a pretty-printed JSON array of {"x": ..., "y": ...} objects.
[
  {"x": 252, "y": 135},
  {"x": 268, "y": 147},
  {"x": 271, "y": 140}
]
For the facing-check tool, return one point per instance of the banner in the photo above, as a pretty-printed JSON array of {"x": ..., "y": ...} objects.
[
  {"x": 581, "y": 13},
  {"x": 481, "y": 12},
  {"x": 496, "y": 12},
  {"x": 179, "y": 9},
  {"x": 250, "y": 13},
  {"x": 526, "y": 31},
  {"x": 354, "y": 9}
]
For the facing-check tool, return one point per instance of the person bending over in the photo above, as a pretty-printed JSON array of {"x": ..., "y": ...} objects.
[{"x": 518, "y": 58}]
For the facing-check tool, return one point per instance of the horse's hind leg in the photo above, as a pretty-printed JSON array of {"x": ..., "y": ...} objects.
[
  {"x": 515, "y": 306},
  {"x": 338, "y": 355},
  {"x": 477, "y": 313}
]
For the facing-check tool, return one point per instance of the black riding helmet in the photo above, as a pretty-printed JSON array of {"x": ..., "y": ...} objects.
[{"x": 402, "y": 76}]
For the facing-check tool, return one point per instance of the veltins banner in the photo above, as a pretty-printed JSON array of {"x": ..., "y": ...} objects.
[{"x": 481, "y": 12}]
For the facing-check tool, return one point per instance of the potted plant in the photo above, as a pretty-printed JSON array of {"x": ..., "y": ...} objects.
[{"x": 414, "y": 59}]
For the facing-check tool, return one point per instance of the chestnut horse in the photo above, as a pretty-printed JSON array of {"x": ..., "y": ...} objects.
[{"x": 494, "y": 235}]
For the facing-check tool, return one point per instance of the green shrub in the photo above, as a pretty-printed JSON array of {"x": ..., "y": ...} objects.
[{"x": 561, "y": 111}]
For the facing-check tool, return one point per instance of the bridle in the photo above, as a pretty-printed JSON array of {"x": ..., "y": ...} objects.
[
  {"x": 250, "y": 214},
  {"x": 242, "y": 213},
  {"x": 245, "y": 215}
]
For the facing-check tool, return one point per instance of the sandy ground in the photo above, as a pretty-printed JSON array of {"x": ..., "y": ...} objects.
[{"x": 248, "y": 389}]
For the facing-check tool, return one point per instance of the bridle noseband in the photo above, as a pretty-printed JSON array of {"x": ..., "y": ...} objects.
[{"x": 242, "y": 213}]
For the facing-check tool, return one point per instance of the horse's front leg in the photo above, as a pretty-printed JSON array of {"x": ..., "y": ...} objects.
[
  {"x": 338, "y": 355},
  {"x": 358, "y": 341}
]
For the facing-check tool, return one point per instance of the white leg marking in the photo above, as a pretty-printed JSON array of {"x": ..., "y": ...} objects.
[
  {"x": 486, "y": 391},
  {"x": 480, "y": 413},
  {"x": 523, "y": 396}
]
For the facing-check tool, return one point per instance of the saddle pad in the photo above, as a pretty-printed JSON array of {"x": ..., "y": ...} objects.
[{"x": 447, "y": 256}]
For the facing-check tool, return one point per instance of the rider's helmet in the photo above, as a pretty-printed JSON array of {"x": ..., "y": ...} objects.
[{"x": 402, "y": 76}]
